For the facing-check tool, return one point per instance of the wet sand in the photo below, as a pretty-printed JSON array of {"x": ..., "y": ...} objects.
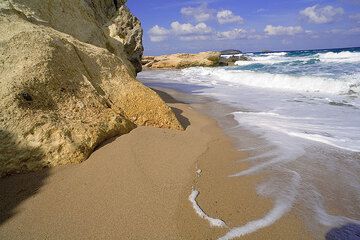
[{"x": 137, "y": 186}]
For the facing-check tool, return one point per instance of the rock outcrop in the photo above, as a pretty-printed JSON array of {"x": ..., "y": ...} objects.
[
  {"x": 231, "y": 52},
  {"x": 231, "y": 61},
  {"x": 182, "y": 60},
  {"x": 67, "y": 81}
]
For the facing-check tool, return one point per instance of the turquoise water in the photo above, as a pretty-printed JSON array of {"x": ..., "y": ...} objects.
[{"x": 322, "y": 63}]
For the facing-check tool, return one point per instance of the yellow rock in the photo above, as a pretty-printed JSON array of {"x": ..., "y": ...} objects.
[
  {"x": 66, "y": 85},
  {"x": 182, "y": 60}
]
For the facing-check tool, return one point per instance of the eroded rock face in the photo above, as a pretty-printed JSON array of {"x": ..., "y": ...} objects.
[
  {"x": 182, "y": 60},
  {"x": 67, "y": 83},
  {"x": 130, "y": 32}
]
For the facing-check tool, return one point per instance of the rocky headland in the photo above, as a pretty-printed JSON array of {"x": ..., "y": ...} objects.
[
  {"x": 67, "y": 81},
  {"x": 186, "y": 60},
  {"x": 182, "y": 60}
]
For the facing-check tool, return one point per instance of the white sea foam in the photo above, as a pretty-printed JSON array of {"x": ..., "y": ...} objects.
[
  {"x": 329, "y": 57},
  {"x": 283, "y": 204},
  {"x": 275, "y": 54},
  {"x": 265, "y": 59},
  {"x": 341, "y": 57},
  {"x": 298, "y": 128},
  {"x": 281, "y": 82},
  {"x": 229, "y": 56},
  {"x": 213, "y": 221}
]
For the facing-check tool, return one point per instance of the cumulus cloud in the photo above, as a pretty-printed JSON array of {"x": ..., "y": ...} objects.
[
  {"x": 200, "y": 14},
  {"x": 236, "y": 33},
  {"x": 227, "y": 16},
  {"x": 199, "y": 32},
  {"x": 281, "y": 30},
  {"x": 319, "y": 15},
  {"x": 158, "y": 34},
  {"x": 185, "y": 32},
  {"x": 189, "y": 29}
]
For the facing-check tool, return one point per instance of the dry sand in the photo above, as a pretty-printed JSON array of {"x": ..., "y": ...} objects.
[{"x": 137, "y": 187}]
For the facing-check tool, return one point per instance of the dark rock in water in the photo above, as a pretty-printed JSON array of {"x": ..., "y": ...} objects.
[
  {"x": 230, "y": 52},
  {"x": 244, "y": 58},
  {"x": 347, "y": 232},
  {"x": 231, "y": 60}
]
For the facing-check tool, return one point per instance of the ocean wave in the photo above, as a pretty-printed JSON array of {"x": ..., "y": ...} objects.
[
  {"x": 283, "y": 57},
  {"x": 341, "y": 57},
  {"x": 344, "y": 85}
]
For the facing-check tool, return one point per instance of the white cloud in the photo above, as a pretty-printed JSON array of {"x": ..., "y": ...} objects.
[
  {"x": 236, "y": 33},
  {"x": 355, "y": 17},
  {"x": 281, "y": 30},
  {"x": 335, "y": 31},
  {"x": 158, "y": 34},
  {"x": 189, "y": 29},
  {"x": 195, "y": 38},
  {"x": 200, "y": 14},
  {"x": 318, "y": 15},
  {"x": 227, "y": 16},
  {"x": 185, "y": 32},
  {"x": 198, "y": 32}
]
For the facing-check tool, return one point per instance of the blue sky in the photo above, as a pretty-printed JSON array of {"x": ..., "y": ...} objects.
[{"x": 172, "y": 26}]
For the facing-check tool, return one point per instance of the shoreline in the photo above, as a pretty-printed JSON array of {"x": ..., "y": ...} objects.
[{"x": 137, "y": 186}]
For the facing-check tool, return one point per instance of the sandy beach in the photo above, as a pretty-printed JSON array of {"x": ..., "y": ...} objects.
[
  {"x": 137, "y": 186},
  {"x": 179, "y": 120}
]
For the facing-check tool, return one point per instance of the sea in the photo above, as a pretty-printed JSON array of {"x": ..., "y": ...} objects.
[{"x": 297, "y": 115}]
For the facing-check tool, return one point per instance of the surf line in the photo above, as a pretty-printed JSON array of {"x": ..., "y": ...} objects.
[{"x": 214, "y": 222}]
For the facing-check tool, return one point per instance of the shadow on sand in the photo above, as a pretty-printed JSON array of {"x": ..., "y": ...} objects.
[
  {"x": 14, "y": 189},
  {"x": 167, "y": 98}
]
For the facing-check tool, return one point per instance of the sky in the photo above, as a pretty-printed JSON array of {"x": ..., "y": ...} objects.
[{"x": 172, "y": 26}]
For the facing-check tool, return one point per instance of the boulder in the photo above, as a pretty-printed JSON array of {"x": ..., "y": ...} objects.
[{"x": 67, "y": 81}]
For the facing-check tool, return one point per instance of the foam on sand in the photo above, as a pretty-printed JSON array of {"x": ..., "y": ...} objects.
[
  {"x": 283, "y": 204},
  {"x": 213, "y": 221}
]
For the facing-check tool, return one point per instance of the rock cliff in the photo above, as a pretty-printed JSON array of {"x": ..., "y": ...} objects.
[{"x": 67, "y": 81}]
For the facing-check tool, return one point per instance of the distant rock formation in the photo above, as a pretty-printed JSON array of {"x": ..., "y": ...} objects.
[
  {"x": 230, "y": 61},
  {"x": 182, "y": 60},
  {"x": 67, "y": 81},
  {"x": 230, "y": 52}
]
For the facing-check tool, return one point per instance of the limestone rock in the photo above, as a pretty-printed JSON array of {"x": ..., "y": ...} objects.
[
  {"x": 183, "y": 60},
  {"x": 66, "y": 83},
  {"x": 128, "y": 29}
]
